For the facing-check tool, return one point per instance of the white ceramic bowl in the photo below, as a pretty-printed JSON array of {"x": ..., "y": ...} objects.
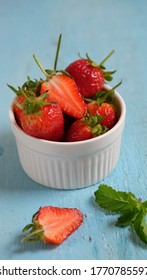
[{"x": 64, "y": 165}]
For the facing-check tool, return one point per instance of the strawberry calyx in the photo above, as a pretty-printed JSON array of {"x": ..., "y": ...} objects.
[
  {"x": 36, "y": 231},
  {"x": 29, "y": 86},
  {"x": 107, "y": 74},
  {"x": 104, "y": 95},
  {"x": 94, "y": 121},
  {"x": 33, "y": 104},
  {"x": 48, "y": 72}
]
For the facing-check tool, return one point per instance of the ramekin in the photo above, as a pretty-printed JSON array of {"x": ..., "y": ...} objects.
[{"x": 66, "y": 165}]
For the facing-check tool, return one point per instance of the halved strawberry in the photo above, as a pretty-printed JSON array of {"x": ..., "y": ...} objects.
[
  {"x": 53, "y": 224},
  {"x": 63, "y": 89}
]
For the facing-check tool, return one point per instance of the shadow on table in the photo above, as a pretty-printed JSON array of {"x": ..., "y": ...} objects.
[
  {"x": 12, "y": 175},
  {"x": 31, "y": 246}
]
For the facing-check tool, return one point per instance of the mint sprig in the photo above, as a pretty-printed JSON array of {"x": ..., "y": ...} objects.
[{"x": 132, "y": 211}]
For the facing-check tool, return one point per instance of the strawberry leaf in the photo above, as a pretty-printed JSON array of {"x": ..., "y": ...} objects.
[
  {"x": 94, "y": 121},
  {"x": 105, "y": 95},
  {"x": 30, "y": 87},
  {"x": 27, "y": 227},
  {"x": 16, "y": 91}
]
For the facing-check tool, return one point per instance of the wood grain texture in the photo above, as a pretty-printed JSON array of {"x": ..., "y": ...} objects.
[{"x": 96, "y": 27}]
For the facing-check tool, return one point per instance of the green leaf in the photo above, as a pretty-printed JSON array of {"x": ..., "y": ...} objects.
[
  {"x": 99, "y": 130},
  {"x": 29, "y": 226},
  {"x": 140, "y": 225},
  {"x": 64, "y": 72},
  {"x": 144, "y": 204},
  {"x": 13, "y": 89},
  {"x": 115, "y": 201},
  {"x": 34, "y": 235},
  {"x": 133, "y": 211},
  {"x": 104, "y": 96},
  {"x": 108, "y": 78},
  {"x": 127, "y": 218},
  {"x": 50, "y": 72}
]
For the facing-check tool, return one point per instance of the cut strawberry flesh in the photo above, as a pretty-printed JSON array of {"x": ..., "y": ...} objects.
[
  {"x": 58, "y": 223},
  {"x": 63, "y": 89}
]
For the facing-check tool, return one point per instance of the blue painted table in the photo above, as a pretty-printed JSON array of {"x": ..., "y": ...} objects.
[{"x": 96, "y": 27}]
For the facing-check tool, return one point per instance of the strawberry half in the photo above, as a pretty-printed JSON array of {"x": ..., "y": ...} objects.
[
  {"x": 53, "y": 224},
  {"x": 63, "y": 89}
]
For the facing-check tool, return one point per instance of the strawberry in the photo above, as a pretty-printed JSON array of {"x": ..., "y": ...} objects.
[
  {"x": 86, "y": 128},
  {"x": 106, "y": 110},
  {"x": 62, "y": 88},
  {"x": 89, "y": 76},
  {"x": 102, "y": 104},
  {"x": 37, "y": 116},
  {"x": 53, "y": 224},
  {"x": 29, "y": 87},
  {"x": 41, "y": 119},
  {"x": 17, "y": 110}
]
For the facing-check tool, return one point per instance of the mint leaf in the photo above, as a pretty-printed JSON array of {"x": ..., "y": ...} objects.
[
  {"x": 115, "y": 201},
  {"x": 144, "y": 204},
  {"x": 133, "y": 211},
  {"x": 140, "y": 226},
  {"x": 127, "y": 218}
]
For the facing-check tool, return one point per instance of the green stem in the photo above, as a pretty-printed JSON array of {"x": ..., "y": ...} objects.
[
  {"x": 40, "y": 66},
  {"x": 107, "y": 57},
  {"x": 117, "y": 85},
  {"x": 57, "y": 52}
]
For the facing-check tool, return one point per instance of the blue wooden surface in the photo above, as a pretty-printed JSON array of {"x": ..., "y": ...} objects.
[{"x": 96, "y": 27}]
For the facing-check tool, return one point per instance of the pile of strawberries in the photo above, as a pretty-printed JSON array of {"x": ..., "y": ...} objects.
[{"x": 68, "y": 105}]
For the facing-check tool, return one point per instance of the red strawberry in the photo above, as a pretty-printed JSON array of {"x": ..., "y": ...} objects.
[
  {"x": 30, "y": 88},
  {"x": 53, "y": 224},
  {"x": 89, "y": 76},
  {"x": 106, "y": 110},
  {"x": 17, "y": 109},
  {"x": 86, "y": 128},
  {"x": 63, "y": 89},
  {"x": 46, "y": 123}
]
